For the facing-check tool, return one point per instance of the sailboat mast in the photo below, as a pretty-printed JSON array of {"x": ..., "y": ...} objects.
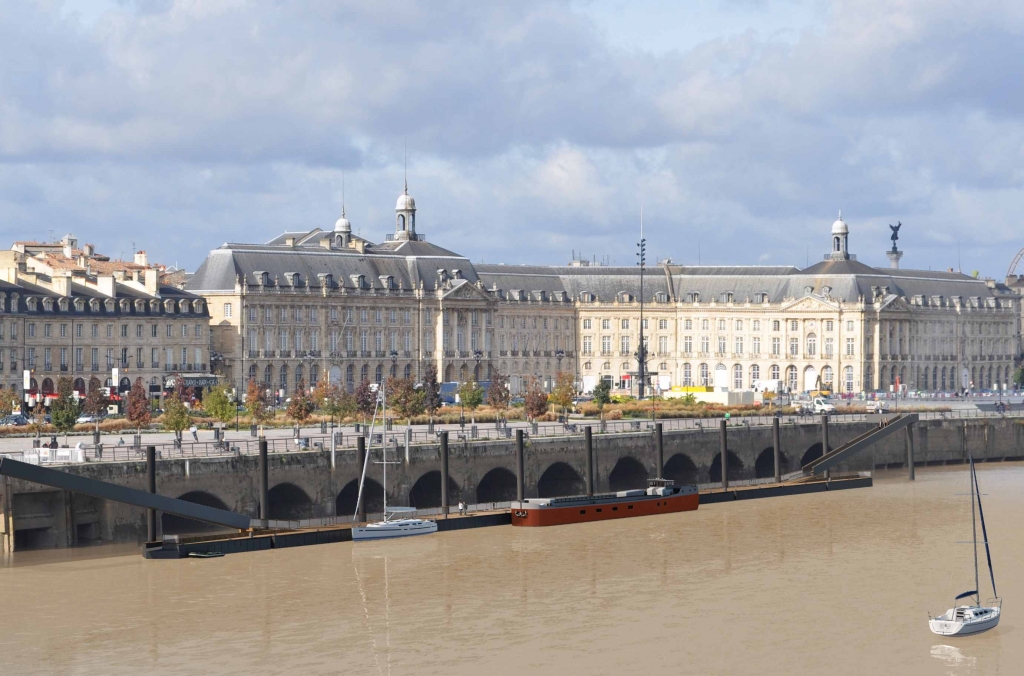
[
  {"x": 974, "y": 535},
  {"x": 384, "y": 447}
]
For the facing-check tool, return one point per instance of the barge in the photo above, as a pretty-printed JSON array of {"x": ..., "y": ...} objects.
[{"x": 662, "y": 496}]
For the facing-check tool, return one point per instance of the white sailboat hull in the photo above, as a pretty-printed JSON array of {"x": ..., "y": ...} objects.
[
  {"x": 965, "y": 620},
  {"x": 399, "y": 528}
]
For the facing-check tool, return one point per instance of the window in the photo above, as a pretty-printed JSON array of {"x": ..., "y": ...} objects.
[
  {"x": 624, "y": 344},
  {"x": 791, "y": 378},
  {"x": 95, "y": 354},
  {"x": 662, "y": 344},
  {"x": 829, "y": 325},
  {"x": 624, "y": 324},
  {"x": 586, "y": 324},
  {"x": 662, "y": 324},
  {"x": 587, "y": 344},
  {"x": 363, "y": 316},
  {"x": 739, "y": 345},
  {"x": 63, "y": 330},
  {"x": 704, "y": 374},
  {"x": 705, "y": 324},
  {"x": 739, "y": 324},
  {"x": 705, "y": 344},
  {"x": 721, "y": 325},
  {"x": 170, "y": 330},
  {"x": 645, "y": 323},
  {"x": 314, "y": 316},
  {"x": 378, "y": 317},
  {"x": 829, "y": 347},
  {"x": 757, "y": 325},
  {"x": 606, "y": 323},
  {"x": 267, "y": 316},
  {"x": 687, "y": 344},
  {"x": 138, "y": 330},
  {"x": 721, "y": 344},
  {"x": 283, "y": 314},
  {"x": 755, "y": 345},
  {"x": 152, "y": 331},
  {"x": 755, "y": 374},
  {"x": 776, "y": 346},
  {"x": 154, "y": 357},
  {"x": 849, "y": 326},
  {"x": 199, "y": 331},
  {"x": 826, "y": 375},
  {"x": 227, "y": 310},
  {"x": 46, "y": 330},
  {"x": 688, "y": 324},
  {"x": 773, "y": 373},
  {"x": 184, "y": 330},
  {"x": 794, "y": 346},
  {"x": 848, "y": 379},
  {"x": 124, "y": 330},
  {"x": 31, "y": 330},
  {"x": 849, "y": 347},
  {"x": 812, "y": 344},
  {"x": 794, "y": 325},
  {"x": 252, "y": 314},
  {"x": 95, "y": 331},
  {"x": 775, "y": 325},
  {"x": 687, "y": 375}
]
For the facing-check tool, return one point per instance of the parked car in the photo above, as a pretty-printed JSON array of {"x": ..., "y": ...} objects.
[
  {"x": 16, "y": 420},
  {"x": 90, "y": 418}
]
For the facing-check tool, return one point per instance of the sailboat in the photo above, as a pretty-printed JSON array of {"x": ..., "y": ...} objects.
[
  {"x": 390, "y": 527},
  {"x": 971, "y": 619}
]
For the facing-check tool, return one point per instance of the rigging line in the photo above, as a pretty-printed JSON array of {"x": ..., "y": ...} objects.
[
  {"x": 984, "y": 534},
  {"x": 953, "y": 563},
  {"x": 366, "y": 460}
]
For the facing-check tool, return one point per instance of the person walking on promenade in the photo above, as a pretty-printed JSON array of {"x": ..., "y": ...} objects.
[{"x": 195, "y": 432}]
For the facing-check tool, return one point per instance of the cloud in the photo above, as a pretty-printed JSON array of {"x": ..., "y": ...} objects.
[{"x": 533, "y": 127}]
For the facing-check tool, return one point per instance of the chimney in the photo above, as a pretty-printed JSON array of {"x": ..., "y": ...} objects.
[
  {"x": 90, "y": 250},
  {"x": 289, "y": 241},
  {"x": 61, "y": 284},
  {"x": 140, "y": 258},
  {"x": 105, "y": 285},
  {"x": 325, "y": 243},
  {"x": 152, "y": 278},
  {"x": 68, "y": 251}
]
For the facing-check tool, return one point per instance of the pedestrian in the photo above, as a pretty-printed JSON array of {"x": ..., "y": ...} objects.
[{"x": 195, "y": 432}]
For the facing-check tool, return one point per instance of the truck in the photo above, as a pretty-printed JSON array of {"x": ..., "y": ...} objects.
[{"x": 817, "y": 405}]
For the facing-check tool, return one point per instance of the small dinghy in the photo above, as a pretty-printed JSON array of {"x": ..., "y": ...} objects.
[{"x": 961, "y": 620}]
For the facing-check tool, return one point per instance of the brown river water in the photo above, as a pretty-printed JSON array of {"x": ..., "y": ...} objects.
[{"x": 834, "y": 583}]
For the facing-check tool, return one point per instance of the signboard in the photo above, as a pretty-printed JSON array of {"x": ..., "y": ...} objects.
[
  {"x": 192, "y": 381},
  {"x": 28, "y": 379}
]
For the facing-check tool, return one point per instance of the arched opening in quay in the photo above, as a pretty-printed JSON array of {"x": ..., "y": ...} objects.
[
  {"x": 628, "y": 474},
  {"x": 288, "y": 502},
  {"x": 734, "y": 467},
  {"x": 173, "y": 524},
  {"x": 498, "y": 485},
  {"x": 560, "y": 479},
  {"x": 426, "y": 492},
  {"x": 681, "y": 469},
  {"x": 373, "y": 498}
]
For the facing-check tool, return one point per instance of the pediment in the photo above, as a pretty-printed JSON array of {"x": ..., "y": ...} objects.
[
  {"x": 465, "y": 291},
  {"x": 810, "y": 304}
]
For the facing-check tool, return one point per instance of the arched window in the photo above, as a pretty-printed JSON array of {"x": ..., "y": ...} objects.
[
  {"x": 812, "y": 344},
  {"x": 299, "y": 382},
  {"x": 364, "y": 373},
  {"x": 378, "y": 374},
  {"x": 252, "y": 372},
  {"x": 268, "y": 375},
  {"x": 791, "y": 378},
  {"x": 755, "y": 374},
  {"x": 826, "y": 375},
  {"x": 687, "y": 375},
  {"x": 773, "y": 372},
  {"x": 704, "y": 374},
  {"x": 284, "y": 377},
  {"x": 848, "y": 378},
  {"x": 401, "y": 221},
  {"x": 407, "y": 373},
  {"x": 314, "y": 376}
]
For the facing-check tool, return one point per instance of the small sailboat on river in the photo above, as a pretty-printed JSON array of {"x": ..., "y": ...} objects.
[
  {"x": 390, "y": 527},
  {"x": 971, "y": 619}
]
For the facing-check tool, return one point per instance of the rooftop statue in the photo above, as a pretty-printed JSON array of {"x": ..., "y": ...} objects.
[{"x": 895, "y": 233}]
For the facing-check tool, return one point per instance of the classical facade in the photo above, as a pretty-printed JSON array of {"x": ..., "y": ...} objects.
[
  {"x": 324, "y": 303},
  {"x": 68, "y": 311}
]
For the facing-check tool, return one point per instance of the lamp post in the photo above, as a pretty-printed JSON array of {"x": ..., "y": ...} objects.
[
  {"x": 559, "y": 355},
  {"x": 641, "y": 351},
  {"x": 394, "y": 363},
  {"x": 477, "y": 356}
]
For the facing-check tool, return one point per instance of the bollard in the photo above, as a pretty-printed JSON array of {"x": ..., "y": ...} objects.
[
  {"x": 910, "y": 452},
  {"x": 723, "y": 456},
  {"x": 520, "y": 467},
  {"x": 360, "y": 464},
  {"x": 777, "y": 445},
  {"x": 264, "y": 482},
  {"x": 151, "y": 487},
  {"x": 408, "y": 444},
  {"x": 252, "y": 431},
  {"x": 96, "y": 437},
  {"x": 588, "y": 440},
  {"x": 444, "y": 474},
  {"x": 660, "y": 448}
]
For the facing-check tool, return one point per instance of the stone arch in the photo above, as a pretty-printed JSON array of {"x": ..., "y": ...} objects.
[
  {"x": 373, "y": 498},
  {"x": 426, "y": 492},
  {"x": 334, "y": 375},
  {"x": 288, "y": 502},
  {"x": 764, "y": 466},
  {"x": 448, "y": 373},
  {"x": 813, "y": 453},
  {"x": 681, "y": 469},
  {"x": 628, "y": 473},
  {"x": 498, "y": 485},
  {"x": 560, "y": 479},
  {"x": 172, "y": 524},
  {"x": 733, "y": 463}
]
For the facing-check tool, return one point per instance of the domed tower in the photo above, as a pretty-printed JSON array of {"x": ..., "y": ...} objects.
[
  {"x": 405, "y": 216},
  {"x": 840, "y": 237},
  {"x": 342, "y": 230}
]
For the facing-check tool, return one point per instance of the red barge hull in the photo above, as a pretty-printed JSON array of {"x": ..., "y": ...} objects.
[{"x": 562, "y": 511}]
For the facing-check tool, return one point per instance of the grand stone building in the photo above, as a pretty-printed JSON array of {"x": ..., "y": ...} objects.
[
  {"x": 324, "y": 303},
  {"x": 70, "y": 311}
]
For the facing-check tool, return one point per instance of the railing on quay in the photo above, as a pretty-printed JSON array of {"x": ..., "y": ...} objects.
[{"x": 345, "y": 439}]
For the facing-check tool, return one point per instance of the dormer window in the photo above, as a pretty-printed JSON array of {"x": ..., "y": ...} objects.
[
  {"x": 625, "y": 297},
  {"x": 154, "y": 306},
  {"x": 169, "y": 306},
  {"x": 94, "y": 305},
  {"x": 79, "y": 305},
  {"x": 387, "y": 281},
  {"x": 126, "y": 306},
  {"x": 48, "y": 304},
  {"x": 326, "y": 280},
  {"x": 262, "y": 278},
  {"x": 358, "y": 281},
  {"x": 693, "y": 297},
  {"x": 109, "y": 305},
  {"x": 808, "y": 290},
  {"x": 32, "y": 304},
  {"x": 826, "y": 290},
  {"x": 140, "y": 306},
  {"x": 661, "y": 297},
  {"x": 197, "y": 306}
]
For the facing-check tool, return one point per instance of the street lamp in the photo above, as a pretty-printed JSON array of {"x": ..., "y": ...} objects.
[
  {"x": 641, "y": 352},
  {"x": 394, "y": 363},
  {"x": 559, "y": 355}
]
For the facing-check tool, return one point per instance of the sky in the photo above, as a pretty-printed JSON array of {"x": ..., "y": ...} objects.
[{"x": 530, "y": 131}]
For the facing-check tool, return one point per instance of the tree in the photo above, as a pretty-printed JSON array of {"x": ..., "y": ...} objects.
[
  {"x": 336, "y": 402},
  {"x": 320, "y": 394},
  {"x": 8, "y": 399},
  {"x": 64, "y": 410},
  {"x": 1018, "y": 376},
  {"x": 137, "y": 411},
  {"x": 256, "y": 403},
  {"x": 403, "y": 397},
  {"x": 431, "y": 391},
  {"x": 176, "y": 416},
  {"x": 366, "y": 399},
  {"x": 564, "y": 392},
  {"x": 471, "y": 395},
  {"x": 301, "y": 406},
  {"x": 218, "y": 404},
  {"x": 498, "y": 394},
  {"x": 536, "y": 400},
  {"x": 602, "y": 395},
  {"x": 95, "y": 402}
]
